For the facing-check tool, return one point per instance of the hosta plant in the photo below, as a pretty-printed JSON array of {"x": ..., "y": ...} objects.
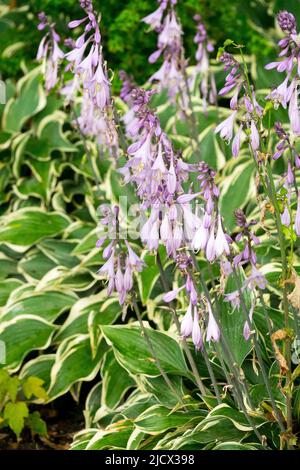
[{"x": 150, "y": 241}]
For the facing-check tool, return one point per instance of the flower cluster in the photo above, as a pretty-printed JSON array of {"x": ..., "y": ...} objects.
[
  {"x": 121, "y": 259},
  {"x": 208, "y": 91},
  {"x": 246, "y": 256},
  {"x": 289, "y": 179},
  {"x": 190, "y": 326},
  {"x": 49, "y": 51},
  {"x": 87, "y": 63},
  {"x": 287, "y": 92},
  {"x": 243, "y": 99},
  {"x": 209, "y": 235},
  {"x": 158, "y": 173},
  {"x": 165, "y": 22}
]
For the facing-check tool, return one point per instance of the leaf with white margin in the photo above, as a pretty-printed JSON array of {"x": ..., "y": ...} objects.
[{"x": 23, "y": 334}]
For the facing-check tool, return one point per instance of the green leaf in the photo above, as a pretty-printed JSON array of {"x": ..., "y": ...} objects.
[
  {"x": 113, "y": 390},
  {"x": 92, "y": 404},
  {"x": 114, "y": 439},
  {"x": 107, "y": 311},
  {"x": 237, "y": 188},
  {"x": 36, "y": 424},
  {"x": 233, "y": 446},
  {"x": 33, "y": 386},
  {"x": 35, "y": 265},
  {"x": 6, "y": 287},
  {"x": 23, "y": 334},
  {"x": 60, "y": 251},
  {"x": 12, "y": 387},
  {"x": 39, "y": 367},
  {"x": 158, "y": 419},
  {"x": 47, "y": 305},
  {"x": 232, "y": 323},
  {"x": 74, "y": 362},
  {"x": 14, "y": 414},
  {"x": 30, "y": 100},
  {"x": 28, "y": 226},
  {"x": 4, "y": 379},
  {"x": 131, "y": 350}
]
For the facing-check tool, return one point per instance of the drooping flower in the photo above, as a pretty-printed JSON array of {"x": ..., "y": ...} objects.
[
  {"x": 121, "y": 260},
  {"x": 169, "y": 46},
  {"x": 213, "y": 331},
  {"x": 207, "y": 85},
  {"x": 289, "y": 63},
  {"x": 86, "y": 61},
  {"x": 49, "y": 51},
  {"x": 247, "y": 327},
  {"x": 225, "y": 128}
]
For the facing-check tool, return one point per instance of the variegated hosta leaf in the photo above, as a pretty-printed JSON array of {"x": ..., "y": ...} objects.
[
  {"x": 46, "y": 305},
  {"x": 75, "y": 361},
  {"x": 23, "y": 334},
  {"x": 29, "y": 101},
  {"x": 39, "y": 367},
  {"x": 236, "y": 190},
  {"x": 28, "y": 226},
  {"x": 132, "y": 352},
  {"x": 113, "y": 390},
  {"x": 6, "y": 287},
  {"x": 106, "y": 312},
  {"x": 159, "y": 419}
]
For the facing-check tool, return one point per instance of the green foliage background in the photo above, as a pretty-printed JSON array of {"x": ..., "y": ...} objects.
[
  {"x": 54, "y": 313},
  {"x": 124, "y": 36}
]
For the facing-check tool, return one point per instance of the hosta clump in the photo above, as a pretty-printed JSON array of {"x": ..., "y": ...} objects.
[{"x": 203, "y": 354}]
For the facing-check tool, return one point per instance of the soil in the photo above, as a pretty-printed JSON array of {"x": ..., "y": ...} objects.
[{"x": 63, "y": 421}]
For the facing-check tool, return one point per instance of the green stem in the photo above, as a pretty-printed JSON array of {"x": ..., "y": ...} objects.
[
  {"x": 258, "y": 353},
  {"x": 185, "y": 346},
  {"x": 151, "y": 349}
]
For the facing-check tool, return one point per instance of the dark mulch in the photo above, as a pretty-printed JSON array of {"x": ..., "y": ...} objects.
[{"x": 63, "y": 420}]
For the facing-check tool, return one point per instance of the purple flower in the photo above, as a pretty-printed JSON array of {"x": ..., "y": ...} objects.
[
  {"x": 122, "y": 261},
  {"x": 172, "y": 295},
  {"x": 289, "y": 56},
  {"x": 254, "y": 136},
  {"x": 233, "y": 298},
  {"x": 287, "y": 21},
  {"x": 207, "y": 79},
  {"x": 196, "y": 331},
  {"x": 285, "y": 217},
  {"x": 50, "y": 52},
  {"x": 294, "y": 111},
  {"x": 221, "y": 242},
  {"x": 213, "y": 331},
  {"x": 236, "y": 143},
  {"x": 187, "y": 322},
  {"x": 169, "y": 43},
  {"x": 247, "y": 327},
  {"x": 225, "y": 128},
  {"x": 256, "y": 279}
]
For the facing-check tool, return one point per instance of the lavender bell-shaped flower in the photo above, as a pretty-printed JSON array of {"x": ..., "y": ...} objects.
[
  {"x": 49, "y": 51},
  {"x": 187, "y": 322},
  {"x": 247, "y": 327},
  {"x": 213, "y": 331},
  {"x": 196, "y": 331},
  {"x": 225, "y": 128},
  {"x": 287, "y": 91}
]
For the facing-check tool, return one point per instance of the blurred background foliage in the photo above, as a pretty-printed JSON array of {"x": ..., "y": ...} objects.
[{"x": 124, "y": 36}]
